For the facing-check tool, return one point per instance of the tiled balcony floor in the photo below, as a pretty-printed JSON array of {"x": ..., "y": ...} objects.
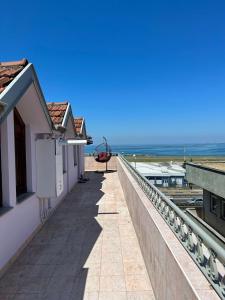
[{"x": 87, "y": 250}]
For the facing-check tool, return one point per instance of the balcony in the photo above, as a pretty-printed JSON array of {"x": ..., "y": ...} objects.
[{"x": 107, "y": 240}]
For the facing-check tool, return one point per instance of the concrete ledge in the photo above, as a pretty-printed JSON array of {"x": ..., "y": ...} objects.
[
  {"x": 211, "y": 180},
  {"x": 172, "y": 272}
]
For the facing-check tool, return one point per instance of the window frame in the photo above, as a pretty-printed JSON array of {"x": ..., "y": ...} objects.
[
  {"x": 75, "y": 158},
  {"x": 213, "y": 207},
  {"x": 64, "y": 159},
  {"x": 222, "y": 210},
  {"x": 20, "y": 160}
]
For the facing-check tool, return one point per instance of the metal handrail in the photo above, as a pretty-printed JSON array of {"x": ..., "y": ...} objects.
[{"x": 204, "y": 250}]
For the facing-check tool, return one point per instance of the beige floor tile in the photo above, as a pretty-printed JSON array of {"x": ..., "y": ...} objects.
[
  {"x": 130, "y": 252},
  {"x": 137, "y": 283},
  {"x": 146, "y": 295},
  {"x": 111, "y": 220},
  {"x": 112, "y": 284},
  {"x": 108, "y": 256},
  {"x": 100, "y": 220},
  {"x": 129, "y": 240},
  {"x": 123, "y": 221},
  {"x": 93, "y": 258},
  {"x": 112, "y": 296},
  {"x": 126, "y": 234},
  {"x": 111, "y": 235},
  {"x": 124, "y": 229},
  {"x": 134, "y": 268},
  {"x": 92, "y": 284},
  {"x": 130, "y": 246},
  {"x": 112, "y": 239},
  {"x": 110, "y": 228},
  {"x": 132, "y": 257},
  {"x": 93, "y": 269},
  {"x": 96, "y": 249},
  {"x": 91, "y": 296},
  {"x": 108, "y": 268},
  {"x": 111, "y": 247}
]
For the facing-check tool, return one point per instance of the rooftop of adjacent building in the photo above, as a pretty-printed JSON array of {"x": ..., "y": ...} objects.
[
  {"x": 215, "y": 165},
  {"x": 159, "y": 169},
  {"x": 219, "y": 166}
]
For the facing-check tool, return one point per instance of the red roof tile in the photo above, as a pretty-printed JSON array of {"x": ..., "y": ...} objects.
[
  {"x": 57, "y": 111},
  {"x": 9, "y": 70},
  {"x": 78, "y": 124}
]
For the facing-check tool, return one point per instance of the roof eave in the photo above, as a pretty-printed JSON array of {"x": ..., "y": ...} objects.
[
  {"x": 17, "y": 88},
  {"x": 66, "y": 115}
]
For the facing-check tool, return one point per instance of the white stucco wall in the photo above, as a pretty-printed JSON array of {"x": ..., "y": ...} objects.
[{"x": 18, "y": 224}]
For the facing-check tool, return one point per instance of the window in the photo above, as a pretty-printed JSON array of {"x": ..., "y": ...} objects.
[
  {"x": 20, "y": 154},
  {"x": 213, "y": 203},
  {"x": 75, "y": 155},
  {"x": 223, "y": 209},
  {"x": 64, "y": 158}
]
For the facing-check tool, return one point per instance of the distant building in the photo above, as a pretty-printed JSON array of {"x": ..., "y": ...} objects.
[
  {"x": 162, "y": 174},
  {"x": 210, "y": 177}
]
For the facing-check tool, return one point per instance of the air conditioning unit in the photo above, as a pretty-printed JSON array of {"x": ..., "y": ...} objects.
[{"x": 49, "y": 164}]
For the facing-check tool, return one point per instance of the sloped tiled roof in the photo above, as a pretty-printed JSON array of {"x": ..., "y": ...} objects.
[
  {"x": 9, "y": 70},
  {"x": 57, "y": 111},
  {"x": 78, "y": 124}
]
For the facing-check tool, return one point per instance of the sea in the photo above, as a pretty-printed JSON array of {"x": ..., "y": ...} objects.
[{"x": 187, "y": 150}]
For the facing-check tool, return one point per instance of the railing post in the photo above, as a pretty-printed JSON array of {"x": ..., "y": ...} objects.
[
  {"x": 212, "y": 267},
  {"x": 200, "y": 255},
  {"x": 223, "y": 283},
  {"x": 191, "y": 245}
]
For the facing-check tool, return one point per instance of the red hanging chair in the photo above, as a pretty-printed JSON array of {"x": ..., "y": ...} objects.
[{"x": 103, "y": 152}]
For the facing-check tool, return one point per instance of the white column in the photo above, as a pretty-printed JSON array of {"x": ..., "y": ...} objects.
[{"x": 8, "y": 161}]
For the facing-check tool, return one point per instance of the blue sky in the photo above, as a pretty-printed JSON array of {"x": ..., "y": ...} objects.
[{"x": 139, "y": 71}]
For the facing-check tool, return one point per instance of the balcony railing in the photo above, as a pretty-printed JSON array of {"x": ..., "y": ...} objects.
[{"x": 207, "y": 253}]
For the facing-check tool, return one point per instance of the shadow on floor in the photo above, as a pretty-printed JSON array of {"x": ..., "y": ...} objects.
[
  {"x": 55, "y": 263},
  {"x": 104, "y": 171}
]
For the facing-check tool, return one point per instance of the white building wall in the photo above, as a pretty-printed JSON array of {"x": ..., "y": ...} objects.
[{"x": 18, "y": 224}]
